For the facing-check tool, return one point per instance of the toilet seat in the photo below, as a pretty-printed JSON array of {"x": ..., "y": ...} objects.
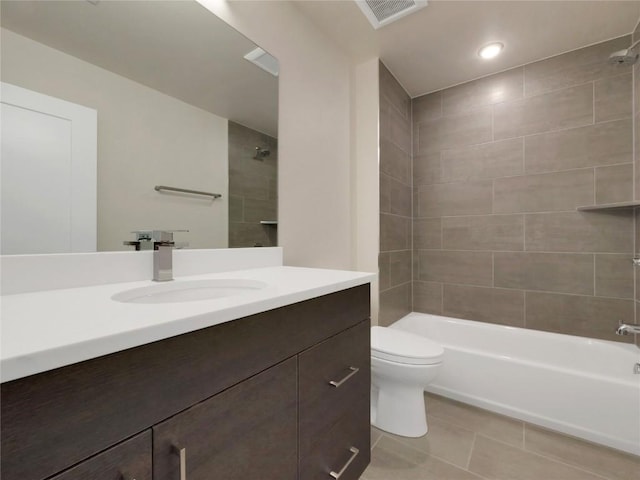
[{"x": 404, "y": 347}]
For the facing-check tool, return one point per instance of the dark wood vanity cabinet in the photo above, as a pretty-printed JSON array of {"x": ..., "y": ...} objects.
[{"x": 250, "y": 398}]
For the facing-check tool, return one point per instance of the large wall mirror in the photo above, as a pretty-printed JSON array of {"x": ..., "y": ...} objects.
[{"x": 103, "y": 101}]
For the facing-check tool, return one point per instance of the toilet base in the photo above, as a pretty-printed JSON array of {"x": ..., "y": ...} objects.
[{"x": 399, "y": 409}]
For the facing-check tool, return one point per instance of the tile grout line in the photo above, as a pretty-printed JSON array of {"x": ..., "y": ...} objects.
[
  {"x": 473, "y": 445},
  {"x": 550, "y": 458}
]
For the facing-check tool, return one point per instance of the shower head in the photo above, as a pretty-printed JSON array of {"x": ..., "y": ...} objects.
[
  {"x": 623, "y": 57},
  {"x": 262, "y": 153}
]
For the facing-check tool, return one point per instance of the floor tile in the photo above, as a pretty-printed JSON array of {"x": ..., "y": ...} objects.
[
  {"x": 444, "y": 440},
  {"x": 609, "y": 463},
  {"x": 495, "y": 460},
  {"x": 392, "y": 460},
  {"x": 480, "y": 421}
]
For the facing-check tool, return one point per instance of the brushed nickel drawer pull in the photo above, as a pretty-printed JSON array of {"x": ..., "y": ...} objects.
[
  {"x": 183, "y": 461},
  {"x": 355, "y": 453},
  {"x": 354, "y": 370}
]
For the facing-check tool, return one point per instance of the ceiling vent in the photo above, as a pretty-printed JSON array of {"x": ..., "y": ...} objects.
[{"x": 383, "y": 12}]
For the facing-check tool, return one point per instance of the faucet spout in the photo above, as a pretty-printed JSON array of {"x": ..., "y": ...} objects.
[{"x": 627, "y": 328}]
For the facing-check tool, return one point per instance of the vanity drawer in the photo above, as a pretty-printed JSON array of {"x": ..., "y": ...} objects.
[
  {"x": 346, "y": 446},
  {"x": 334, "y": 360},
  {"x": 128, "y": 460}
]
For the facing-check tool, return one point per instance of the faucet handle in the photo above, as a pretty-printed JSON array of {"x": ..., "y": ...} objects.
[{"x": 165, "y": 236}]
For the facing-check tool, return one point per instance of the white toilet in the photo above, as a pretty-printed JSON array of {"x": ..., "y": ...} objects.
[{"x": 402, "y": 364}]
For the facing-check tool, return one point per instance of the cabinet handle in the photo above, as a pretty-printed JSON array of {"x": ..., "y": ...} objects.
[
  {"x": 354, "y": 370},
  {"x": 182, "y": 452},
  {"x": 355, "y": 453}
]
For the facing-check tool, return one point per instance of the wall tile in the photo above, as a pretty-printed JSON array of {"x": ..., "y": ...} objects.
[
  {"x": 554, "y": 272},
  {"x": 607, "y": 143},
  {"x": 394, "y": 127},
  {"x": 257, "y": 210},
  {"x": 395, "y": 232},
  {"x": 490, "y": 160},
  {"x": 400, "y": 198},
  {"x": 467, "y": 268},
  {"x": 395, "y": 162},
  {"x": 251, "y": 235},
  {"x": 574, "y": 68},
  {"x": 384, "y": 271},
  {"x": 427, "y": 169},
  {"x": 395, "y": 303},
  {"x": 544, "y": 192},
  {"x": 400, "y": 267},
  {"x": 394, "y": 93},
  {"x": 613, "y": 98},
  {"x": 492, "y": 305},
  {"x": 456, "y": 131},
  {"x": 614, "y": 183},
  {"x": 490, "y": 90},
  {"x": 427, "y": 107},
  {"x": 471, "y": 198},
  {"x": 485, "y": 232},
  {"x": 567, "y": 108},
  {"x": 236, "y": 208},
  {"x": 609, "y": 232},
  {"x": 636, "y": 215},
  {"x": 385, "y": 194},
  {"x": 427, "y": 297},
  {"x": 585, "y": 316},
  {"x": 614, "y": 276},
  {"x": 427, "y": 233}
]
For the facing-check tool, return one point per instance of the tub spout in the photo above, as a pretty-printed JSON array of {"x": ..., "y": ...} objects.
[{"x": 627, "y": 328}]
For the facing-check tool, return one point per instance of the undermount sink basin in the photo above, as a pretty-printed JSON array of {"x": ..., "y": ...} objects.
[{"x": 189, "y": 291}]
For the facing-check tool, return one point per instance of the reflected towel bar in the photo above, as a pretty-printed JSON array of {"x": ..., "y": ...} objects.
[{"x": 159, "y": 188}]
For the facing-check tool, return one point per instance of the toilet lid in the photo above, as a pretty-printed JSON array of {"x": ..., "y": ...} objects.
[{"x": 404, "y": 347}]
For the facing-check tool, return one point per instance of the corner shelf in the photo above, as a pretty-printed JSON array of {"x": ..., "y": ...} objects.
[
  {"x": 609, "y": 206},
  {"x": 269, "y": 222}
]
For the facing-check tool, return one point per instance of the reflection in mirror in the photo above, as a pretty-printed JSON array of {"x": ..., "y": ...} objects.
[{"x": 103, "y": 101}]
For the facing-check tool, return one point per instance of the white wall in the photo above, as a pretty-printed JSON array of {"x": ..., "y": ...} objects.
[
  {"x": 145, "y": 138},
  {"x": 314, "y": 177}
]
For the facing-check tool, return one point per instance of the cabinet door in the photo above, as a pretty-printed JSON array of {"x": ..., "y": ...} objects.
[
  {"x": 334, "y": 386},
  {"x": 129, "y": 460},
  {"x": 245, "y": 432}
]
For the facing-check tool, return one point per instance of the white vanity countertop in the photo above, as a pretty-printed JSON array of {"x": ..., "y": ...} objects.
[{"x": 49, "y": 329}]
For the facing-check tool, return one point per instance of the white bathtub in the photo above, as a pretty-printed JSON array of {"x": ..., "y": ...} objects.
[{"x": 579, "y": 386}]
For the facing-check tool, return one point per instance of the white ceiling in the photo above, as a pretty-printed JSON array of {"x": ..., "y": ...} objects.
[
  {"x": 437, "y": 46},
  {"x": 176, "y": 47}
]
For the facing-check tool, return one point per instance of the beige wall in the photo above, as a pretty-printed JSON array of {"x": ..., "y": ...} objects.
[
  {"x": 365, "y": 181},
  {"x": 500, "y": 165},
  {"x": 145, "y": 138},
  {"x": 314, "y": 170}
]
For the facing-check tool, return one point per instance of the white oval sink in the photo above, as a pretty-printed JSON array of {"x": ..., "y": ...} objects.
[{"x": 189, "y": 291}]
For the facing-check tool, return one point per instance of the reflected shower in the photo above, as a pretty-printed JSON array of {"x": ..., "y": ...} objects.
[
  {"x": 626, "y": 56},
  {"x": 262, "y": 153}
]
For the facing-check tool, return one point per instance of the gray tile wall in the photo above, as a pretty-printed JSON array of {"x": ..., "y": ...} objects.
[
  {"x": 395, "y": 259},
  {"x": 500, "y": 165},
  {"x": 253, "y": 188},
  {"x": 636, "y": 156}
]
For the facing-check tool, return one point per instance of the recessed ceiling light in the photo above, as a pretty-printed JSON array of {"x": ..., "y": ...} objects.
[{"x": 490, "y": 51}]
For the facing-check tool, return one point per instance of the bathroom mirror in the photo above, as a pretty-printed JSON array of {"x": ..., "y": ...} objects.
[{"x": 104, "y": 101}]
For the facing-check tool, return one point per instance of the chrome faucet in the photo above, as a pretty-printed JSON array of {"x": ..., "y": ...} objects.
[
  {"x": 162, "y": 244},
  {"x": 627, "y": 328}
]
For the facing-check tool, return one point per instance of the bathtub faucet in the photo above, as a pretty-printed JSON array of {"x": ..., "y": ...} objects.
[{"x": 627, "y": 328}]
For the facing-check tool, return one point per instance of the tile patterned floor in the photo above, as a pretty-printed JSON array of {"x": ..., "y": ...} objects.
[{"x": 467, "y": 443}]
